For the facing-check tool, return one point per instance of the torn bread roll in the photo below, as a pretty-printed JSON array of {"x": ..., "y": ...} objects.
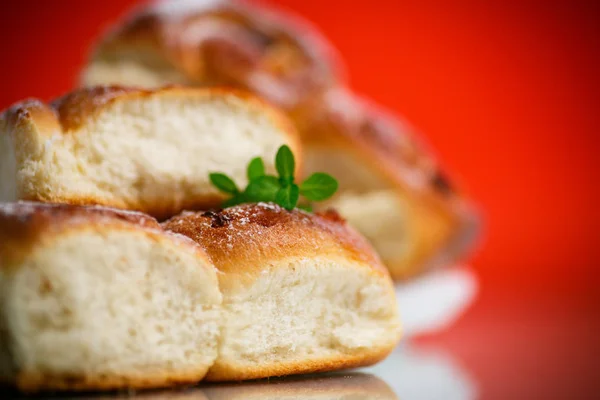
[
  {"x": 301, "y": 292},
  {"x": 149, "y": 151},
  {"x": 94, "y": 298},
  {"x": 391, "y": 187},
  {"x": 279, "y": 56}
]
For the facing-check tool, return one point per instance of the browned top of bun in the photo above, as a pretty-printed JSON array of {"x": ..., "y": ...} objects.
[
  {"x": 24, "y": 224},
  {"x": 381, "y": 138},
  {"x": 229, "y": 42},
  {"x": 29, "y": 214},
  {"x": 250, "y": 237},
  {"x": 68, "y": 113},
  {"x": 74, "y": 108}
]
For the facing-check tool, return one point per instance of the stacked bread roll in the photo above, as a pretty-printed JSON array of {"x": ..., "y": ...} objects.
[
  {"x": 96, "y": 296},
  {"x": 391, "y": 186}
]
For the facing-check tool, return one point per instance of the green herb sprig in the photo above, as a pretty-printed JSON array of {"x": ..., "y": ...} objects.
[{"x": 281, "y": 189}]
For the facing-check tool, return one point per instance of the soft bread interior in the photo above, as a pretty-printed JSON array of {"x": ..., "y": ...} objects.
[
  {"x": 98, "y": 306},
  {"x": 132, "y": 67},
  {"x": 352, "y": 173},
  {"x": 303, "y": 312},
  {"x": 382, "y": 217},
  {"x": 151, "y": 151},
  {"x": 404, "y": 233}
]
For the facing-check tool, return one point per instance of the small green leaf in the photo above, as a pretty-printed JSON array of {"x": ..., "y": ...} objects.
[
  {"x": 256, "y": 168},
  {"x": 284, "y": 161},
  {"x": 319, "y": 186},
  {"x": 224, "y": 183},
  {"x": 263, "y": 188},
  {"x": 234, "y": 201},
  {"x": 287, "y": 197}
]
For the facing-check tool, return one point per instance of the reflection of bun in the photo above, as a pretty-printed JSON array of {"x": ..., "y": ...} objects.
[
  {"x": 274, "y": 55},
  {"x": 302, "y": 292},
  {"x": 94, "y": 298},
  {"x": 146, "y": 150},
  {"x": 353, "y": 386},
  {"x": 349, "y": 386},
  {"x": 391, "y": 188}
]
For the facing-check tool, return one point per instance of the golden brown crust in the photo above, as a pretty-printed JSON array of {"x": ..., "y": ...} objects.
[
  {"x": 24, "y": 112},
  {"x": 160, "y": 210},
  {"x": 76, "y": 107},
  {"x": 233, "y": 43},
  {"x": 79, "y": 107},
  {"x": 220, "y": 372},
  {"x": 36, "y": 382},
  {"x": 24, "y": 224},
  {"x": 32, "y": 215},
  {"x": 382, "y": 140},
  {"x": 255, "y": 235}
]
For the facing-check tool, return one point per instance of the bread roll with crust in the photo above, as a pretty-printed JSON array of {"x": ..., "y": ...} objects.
[
  {"x": 94, "y": 298},
  {"x": 146, "y": 150},
  {"x": 391, "y": 187},
  {"x": 301, "y": 292},
  {"x": 279, "y": 56}
]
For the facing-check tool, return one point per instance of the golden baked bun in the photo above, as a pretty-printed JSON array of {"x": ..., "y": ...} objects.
[
  {"x": 94, "y": 298},
  {"x": 301, "y": 292},
  {"x": 391, "y": 188},
  {"x": 146, "y": 150},
  {"x": 278, "y": 56}
]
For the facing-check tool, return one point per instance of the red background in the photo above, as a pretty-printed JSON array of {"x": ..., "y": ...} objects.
[{"x": 507, "y": 92}]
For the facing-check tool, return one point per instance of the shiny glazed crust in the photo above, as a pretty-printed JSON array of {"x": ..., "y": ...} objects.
[{"x": 231, "y": 237}]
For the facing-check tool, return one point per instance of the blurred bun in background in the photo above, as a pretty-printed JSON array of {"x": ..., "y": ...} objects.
[{"x": 391, "y": 186}]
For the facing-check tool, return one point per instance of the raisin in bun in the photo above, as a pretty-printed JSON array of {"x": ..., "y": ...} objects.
[
  {"x": 94, "y": 298},
  {"x": 276, "y": 55},
  {"x": 146, "y": 150},
  {"x": 391, "y": 187},
  {"x": 302, "y": 292}
]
